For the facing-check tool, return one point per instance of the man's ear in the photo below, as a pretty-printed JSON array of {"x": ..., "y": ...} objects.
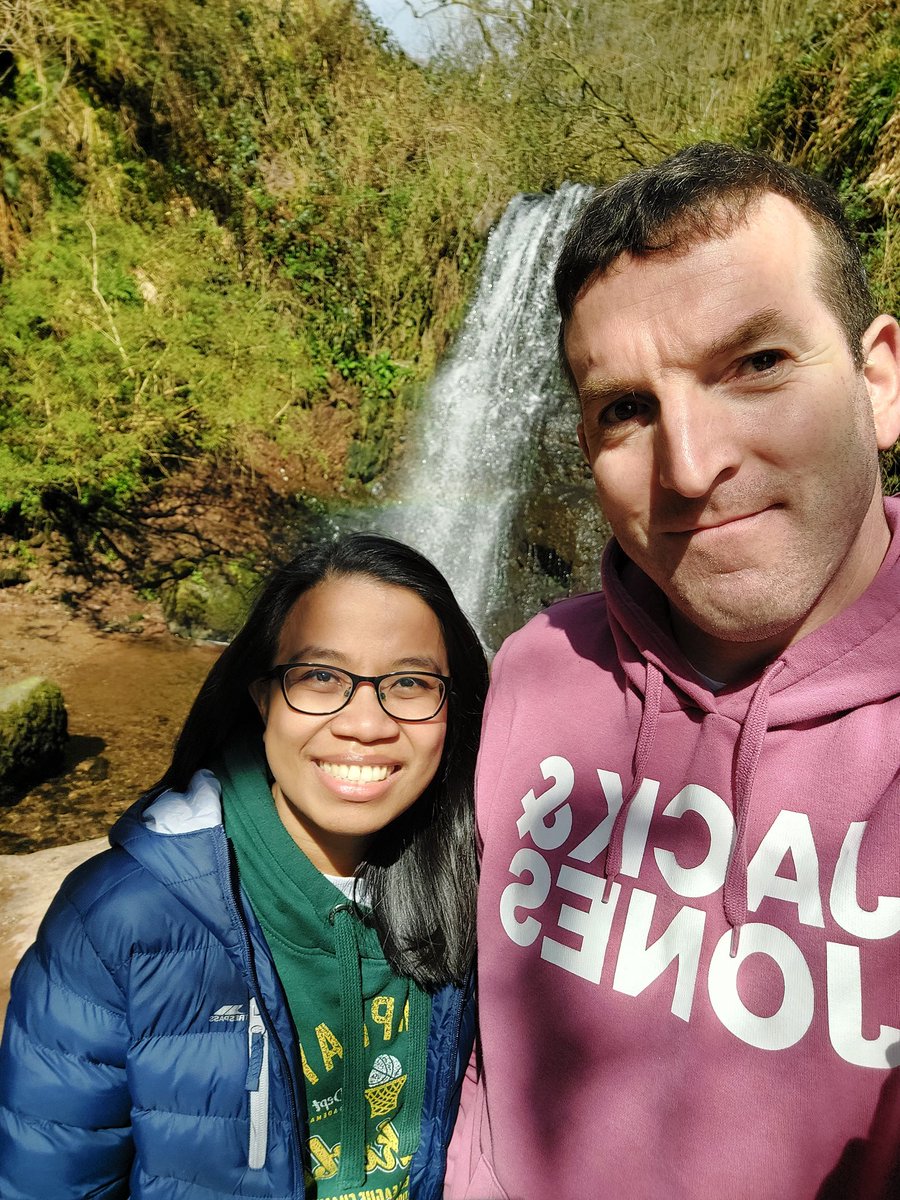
[
  {"x": 260, "y": 690},
  {"x": 881, "y": 370}
]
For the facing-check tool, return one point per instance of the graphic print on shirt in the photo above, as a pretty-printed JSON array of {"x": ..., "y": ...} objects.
[
  {"x": 576, "y": 899},
  {"x": 386, "y": 1169}
]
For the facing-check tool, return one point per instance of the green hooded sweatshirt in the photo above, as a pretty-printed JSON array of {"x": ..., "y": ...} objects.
[{"x": 363, "y": 1030}]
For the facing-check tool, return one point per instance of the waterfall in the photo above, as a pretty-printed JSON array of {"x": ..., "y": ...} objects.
[{"x": 470, "y": 453}]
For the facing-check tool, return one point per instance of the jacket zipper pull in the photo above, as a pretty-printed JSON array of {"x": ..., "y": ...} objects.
[{"x": 258, "y": 1087}]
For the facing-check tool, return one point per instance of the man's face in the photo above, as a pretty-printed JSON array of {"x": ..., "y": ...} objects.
[{"x": 730, "y": 437}]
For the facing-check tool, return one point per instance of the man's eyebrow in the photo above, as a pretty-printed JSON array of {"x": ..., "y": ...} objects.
[
  {"x": 760, "y": 326},
  {"x": 597, "y": 390}
]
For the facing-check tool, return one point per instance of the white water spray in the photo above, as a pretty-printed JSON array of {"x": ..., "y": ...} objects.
[{"x": 471, "y": 451}]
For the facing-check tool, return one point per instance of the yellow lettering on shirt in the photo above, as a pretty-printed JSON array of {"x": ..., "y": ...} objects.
[
  {"x": 329, "y": 1045},
  {"x": 308, "y": 1072},
  {"x": 326, "y": 1159},
  {"x": 384, "y": 1155},
  {"x": 383, "y": 1014}
]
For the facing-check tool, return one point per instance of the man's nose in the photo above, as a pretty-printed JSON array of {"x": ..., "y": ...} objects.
[
  {"x": 696, "y": 443},
  {"x": 363, "y": 717}
]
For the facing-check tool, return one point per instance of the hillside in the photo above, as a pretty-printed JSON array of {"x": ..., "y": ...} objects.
[{"x": 235, "y": 237}]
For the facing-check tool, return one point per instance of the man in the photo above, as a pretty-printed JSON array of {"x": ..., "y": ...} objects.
[{"x": 689, "y": 784}]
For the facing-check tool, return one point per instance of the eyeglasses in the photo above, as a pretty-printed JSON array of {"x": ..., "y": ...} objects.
[{"x": 317, "y": 689}]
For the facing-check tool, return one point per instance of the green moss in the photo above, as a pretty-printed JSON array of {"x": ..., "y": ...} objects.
[
  {"x": 33, "y": 730},
  {"x": 211, "y": 601}
]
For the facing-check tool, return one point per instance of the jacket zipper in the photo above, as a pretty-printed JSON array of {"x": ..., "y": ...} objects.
[
  {"x": 258, "y": 1087},
  {"x": 230, "y": 893}
]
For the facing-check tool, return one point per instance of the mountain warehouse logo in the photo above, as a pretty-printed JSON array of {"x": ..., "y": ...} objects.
[{"x": 229, "y": 1012}]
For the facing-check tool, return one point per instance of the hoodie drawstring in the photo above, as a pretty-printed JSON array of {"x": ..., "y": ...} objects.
[
  {"x": 749, "y": 748},
  {"x": 646, "y": 734},
  {"x": 352, "y": 1174},
  {"x": 747, "y": 753},
  {"x": 410, "y": 1121},
  {"x": 353, "y": 1114}
]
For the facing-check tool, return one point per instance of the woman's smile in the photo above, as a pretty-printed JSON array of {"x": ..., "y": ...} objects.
[{"x": 356, "y": 772}]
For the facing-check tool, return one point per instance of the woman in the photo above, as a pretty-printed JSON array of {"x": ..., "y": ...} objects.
[{"x": 263, "y": 988}]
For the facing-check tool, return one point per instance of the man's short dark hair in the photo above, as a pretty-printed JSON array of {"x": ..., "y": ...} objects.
[{"x": 703, "y": 192}]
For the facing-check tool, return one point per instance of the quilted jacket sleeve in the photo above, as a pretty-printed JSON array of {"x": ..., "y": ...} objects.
[{"x": 65, "y": 1128}]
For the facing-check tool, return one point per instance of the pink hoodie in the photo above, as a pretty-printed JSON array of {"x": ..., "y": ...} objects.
[{"x": 691, "y": 993}]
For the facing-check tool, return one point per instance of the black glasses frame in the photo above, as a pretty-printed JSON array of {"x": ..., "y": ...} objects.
[{"x": 280, "y": 673}]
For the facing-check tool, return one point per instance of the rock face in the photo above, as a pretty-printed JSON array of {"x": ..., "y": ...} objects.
[
  {"x": 558, "y": 532},
  {"x": 33, "y": 730}
]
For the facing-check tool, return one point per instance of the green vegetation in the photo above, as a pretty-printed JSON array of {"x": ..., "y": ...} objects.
[
  {"x": 215, "y": 221},
  {"x": 209, "y": 601},
  {"x": 245, "y": 230}
]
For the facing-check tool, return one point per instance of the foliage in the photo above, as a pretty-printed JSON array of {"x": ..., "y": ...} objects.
[
  {"x": 122, "y": 352},
  {"x": 600, "y": 87},
  {"x": 211, "y": 600},
  {"x": 278, "y": 178},
  {"x": 221, "y": 220}
]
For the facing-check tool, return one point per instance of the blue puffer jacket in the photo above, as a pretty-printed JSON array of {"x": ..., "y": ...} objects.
[{"x": 124, "y": 1068}]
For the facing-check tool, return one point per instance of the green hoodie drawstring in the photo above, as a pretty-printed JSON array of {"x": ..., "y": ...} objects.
[
  {"x": 352, "y": 1172},
  {"x": 410, "y": 1119}
]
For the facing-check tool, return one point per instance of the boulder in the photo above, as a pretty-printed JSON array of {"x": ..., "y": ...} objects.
[
  {"x": 557, "y": 532},
  {"x": 28, "y": 882},
  {"x": 12, "y": 574},
  {"x": 33, "y": 730},
  {"x": 210, "y": 600}
]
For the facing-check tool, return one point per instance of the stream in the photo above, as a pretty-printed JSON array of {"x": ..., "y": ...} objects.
[{"x": 126, "y": 698}]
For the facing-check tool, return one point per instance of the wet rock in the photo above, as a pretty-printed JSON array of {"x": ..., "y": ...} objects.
[
  {"x": 557, "y": 532},
  {"x": 33, "y": 731},
  {"x": 27, "y": 885},
  {"x": 487, "y": 217},
  {"x": 210, "y": 601}
]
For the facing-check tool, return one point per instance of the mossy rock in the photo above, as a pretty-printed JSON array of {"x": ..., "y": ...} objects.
[
  {"x": 33, "y": 731},
  {"x": 211, "y": 602},
  {"x": 12, "y": 575}
]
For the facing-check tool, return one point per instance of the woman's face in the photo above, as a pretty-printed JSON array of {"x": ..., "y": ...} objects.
[{"x": 331, "y": 809}]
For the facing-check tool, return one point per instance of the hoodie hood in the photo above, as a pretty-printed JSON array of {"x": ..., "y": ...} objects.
[
  {"x": 178, "y": 837},
  {"x": 848, "y": 662}
]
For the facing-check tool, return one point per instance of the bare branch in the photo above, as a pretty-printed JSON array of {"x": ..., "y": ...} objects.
[{"x": 101, "y": 300}]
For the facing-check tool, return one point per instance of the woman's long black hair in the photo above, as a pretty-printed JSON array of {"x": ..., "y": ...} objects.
[{"x": 421, "y": 871}]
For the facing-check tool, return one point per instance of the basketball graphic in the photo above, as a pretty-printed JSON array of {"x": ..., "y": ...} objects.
[
  {"x": 386, "y": 1068},
  {"x": 386, "y": 1080}
]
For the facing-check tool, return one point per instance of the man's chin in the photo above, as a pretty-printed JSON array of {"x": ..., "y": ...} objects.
[{"x": 746, "y": 623}]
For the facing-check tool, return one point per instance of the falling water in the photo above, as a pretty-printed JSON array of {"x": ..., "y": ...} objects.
[{"x": 471, "y": 456}]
